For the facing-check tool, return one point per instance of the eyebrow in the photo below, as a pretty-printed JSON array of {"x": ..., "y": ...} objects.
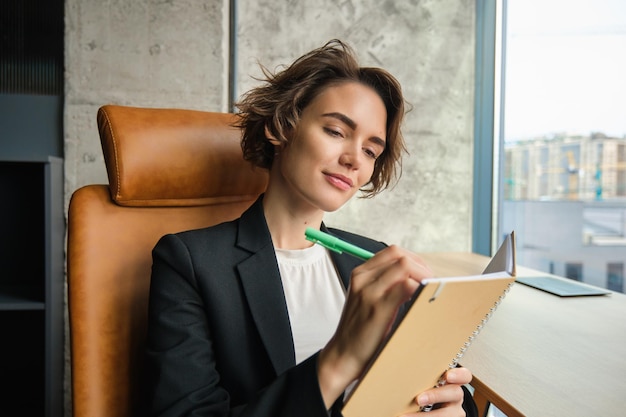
[{"x": 352, "y": 124}]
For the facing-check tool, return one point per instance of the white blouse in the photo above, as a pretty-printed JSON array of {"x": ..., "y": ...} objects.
[{"x": 315, "y": 297}]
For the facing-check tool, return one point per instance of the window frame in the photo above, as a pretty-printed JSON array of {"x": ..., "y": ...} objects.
[{"x": 488, "y": 127}]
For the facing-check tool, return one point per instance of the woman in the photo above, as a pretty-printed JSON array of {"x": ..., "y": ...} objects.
[{"x": 248, "y": 318}]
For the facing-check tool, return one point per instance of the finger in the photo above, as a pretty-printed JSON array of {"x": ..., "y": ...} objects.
[
  {"x": 392, "y": 253},
  {"x": 458, "y": 376},
  {"x": 400, "y": 271},
  {"x": 388, "y": 267},
  {"x": 441, "y": 395},
  {"x": 383, "y": 290}
]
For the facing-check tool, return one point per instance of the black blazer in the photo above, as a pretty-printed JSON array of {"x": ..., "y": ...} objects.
[{"x": 219, "y": 339}]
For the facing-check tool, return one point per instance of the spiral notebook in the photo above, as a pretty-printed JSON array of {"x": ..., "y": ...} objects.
[{"x": 443, "y": 318}]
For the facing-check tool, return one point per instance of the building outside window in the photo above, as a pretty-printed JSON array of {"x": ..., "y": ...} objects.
[
  {"x": 563, "y": 127},
  {"x": 574, "y": 271},
  {"x": 615, "y": 276}
]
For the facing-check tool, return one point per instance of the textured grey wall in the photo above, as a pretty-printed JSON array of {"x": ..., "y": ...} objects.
[
  {"x": 429, "y": 47},
  {"x": 169, "y": 53},
  {"x": 174, "y": 53}
]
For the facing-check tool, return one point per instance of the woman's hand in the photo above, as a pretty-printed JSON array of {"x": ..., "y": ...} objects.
[
  {"x": 377, "y": 289},
  {"x": 447, "y": 399}
]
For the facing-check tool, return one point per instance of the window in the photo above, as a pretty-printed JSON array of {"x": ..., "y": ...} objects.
[
  {"x": 574, "y": 271},
  {"x": 560, "y": 135},
  {"x": 615, "y": 276}
]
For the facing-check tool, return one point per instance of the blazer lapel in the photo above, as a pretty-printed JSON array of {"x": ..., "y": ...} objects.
[
  {"x": 263, "y": 288},
  {"x": 344, "y": 263}
]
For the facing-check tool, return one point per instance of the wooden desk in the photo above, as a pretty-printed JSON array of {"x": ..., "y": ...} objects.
[{"x": 541, "y": 355}]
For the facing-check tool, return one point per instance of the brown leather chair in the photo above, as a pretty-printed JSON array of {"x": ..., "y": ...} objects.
[{"x": 169, "y": 170}]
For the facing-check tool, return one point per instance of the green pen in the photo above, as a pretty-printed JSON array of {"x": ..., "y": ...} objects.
[{"x": 335, "y": 244}]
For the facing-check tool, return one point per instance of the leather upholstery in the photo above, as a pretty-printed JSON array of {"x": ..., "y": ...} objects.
[
  {"x": 169, "y": 170},
  {"x": 157, "y": 157}
]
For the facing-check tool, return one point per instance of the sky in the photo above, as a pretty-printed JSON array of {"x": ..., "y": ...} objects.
[{"x": 565, "y": 68}]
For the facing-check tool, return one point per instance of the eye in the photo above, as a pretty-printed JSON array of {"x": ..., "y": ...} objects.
[
  {"x": 333, "y": 132},
  {"x": 370, "y": 153}
]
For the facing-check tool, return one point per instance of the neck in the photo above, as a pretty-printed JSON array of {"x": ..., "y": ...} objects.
[{"x": 287, "y": 222}]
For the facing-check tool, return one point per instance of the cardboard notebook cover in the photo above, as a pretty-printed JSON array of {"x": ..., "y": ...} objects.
[{"x": 443, "y": 318}]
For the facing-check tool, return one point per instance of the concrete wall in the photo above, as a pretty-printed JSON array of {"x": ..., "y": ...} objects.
[
  {"x": 429, "y": 46},
  {"x": 174, "y": 53},
  {"x": 152, "y": 53}
]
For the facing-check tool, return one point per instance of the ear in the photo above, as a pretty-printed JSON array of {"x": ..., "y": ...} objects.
[{"x": 271, "y": 138}]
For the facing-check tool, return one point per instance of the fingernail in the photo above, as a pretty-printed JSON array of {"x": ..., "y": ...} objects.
[{"x": 422, "y": 399}]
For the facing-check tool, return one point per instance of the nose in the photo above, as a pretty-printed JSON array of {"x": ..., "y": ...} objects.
[
  {"x": 349, "y": 160},
  {"x": 351, "y": 156}
]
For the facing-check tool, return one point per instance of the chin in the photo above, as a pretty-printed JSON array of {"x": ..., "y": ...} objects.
[
  {"x": 333, "y": 206},
  {"x": 331, "y": 200}
]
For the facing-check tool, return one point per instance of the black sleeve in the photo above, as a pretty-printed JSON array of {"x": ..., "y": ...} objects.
[
  {"x": 468, "y": 404},
  {"x": 182, "y": 373}
]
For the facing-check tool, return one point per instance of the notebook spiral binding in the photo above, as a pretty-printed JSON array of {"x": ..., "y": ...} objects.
[{"x": 466, "y": 345}]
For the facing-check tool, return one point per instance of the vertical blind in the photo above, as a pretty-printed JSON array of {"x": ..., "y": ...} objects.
[{"x": 31, "y": 47}]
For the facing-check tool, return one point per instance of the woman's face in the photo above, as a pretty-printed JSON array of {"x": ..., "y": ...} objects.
[{"x": 333, "y": 150}]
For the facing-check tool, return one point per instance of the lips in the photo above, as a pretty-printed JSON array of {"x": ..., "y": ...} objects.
[{"x": 339, "y": 181}]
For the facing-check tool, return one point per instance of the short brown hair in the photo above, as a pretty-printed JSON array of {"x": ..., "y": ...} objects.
[{"x": 279, "y": 102}]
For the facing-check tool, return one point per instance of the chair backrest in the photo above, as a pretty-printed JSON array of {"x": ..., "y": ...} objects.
[{"x": 169, "y": 170}]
